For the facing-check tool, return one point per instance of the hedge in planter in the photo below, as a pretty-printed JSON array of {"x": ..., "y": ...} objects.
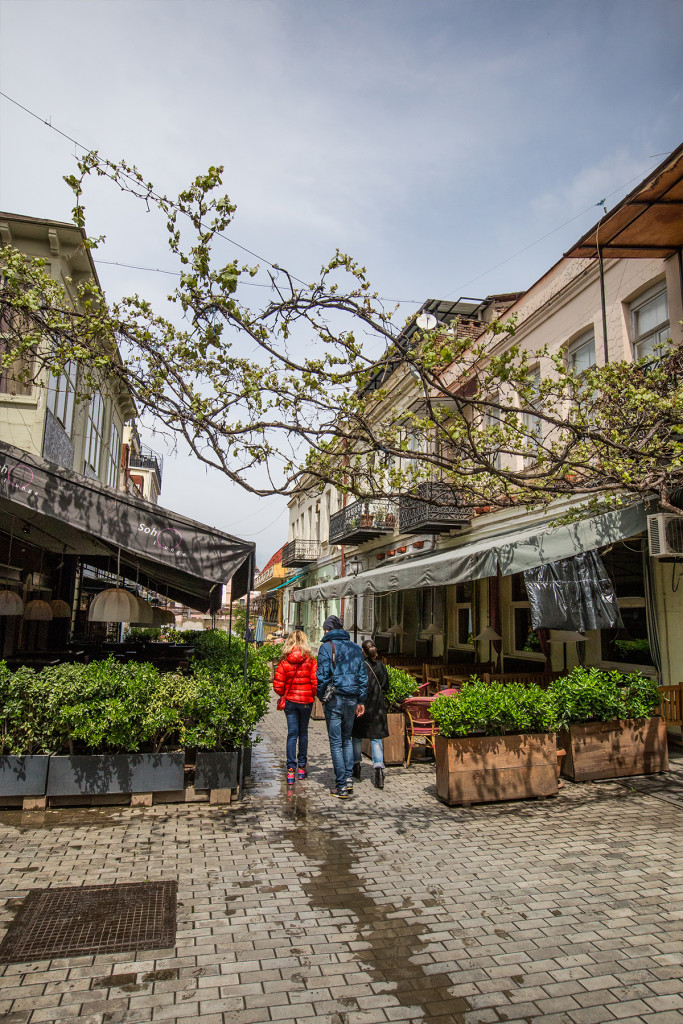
[
  {"x": 110, "y": 711},
  {"x": 610, "y": 724},
  {"x": 496, "y": 742}
]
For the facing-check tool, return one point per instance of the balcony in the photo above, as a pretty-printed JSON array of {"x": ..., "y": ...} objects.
[
  {"x": 362, "y": 520},
  {"x": 300, "y": 552},
  {"x": 270, "y": 577},
  {"x": 147, "y": 459},
  {"x": 434, "y": 508}
]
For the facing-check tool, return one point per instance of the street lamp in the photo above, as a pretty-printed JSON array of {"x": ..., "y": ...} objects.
[{"x": 353, "y": 567}]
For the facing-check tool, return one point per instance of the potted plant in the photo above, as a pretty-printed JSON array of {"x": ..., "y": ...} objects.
[
  {"x": 24, "y": 736},
  {"x": 496, "y": 742},
  {"x": 611, "y": 726},
  {"x": 401, "y": 686}
]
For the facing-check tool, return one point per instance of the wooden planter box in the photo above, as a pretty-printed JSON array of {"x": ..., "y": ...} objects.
[
  {"x": 395, "y": 743},
  {"x": 485, "y": 769},
  {"x": 23, "y": 776},
  {"x": 102, "y": 774},
  {"x": 612, "y": 750}
]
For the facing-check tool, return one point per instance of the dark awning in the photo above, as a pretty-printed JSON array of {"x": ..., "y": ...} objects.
[
  {"x": 647, "y": 223},
  {"x": 69, "y": 513}
]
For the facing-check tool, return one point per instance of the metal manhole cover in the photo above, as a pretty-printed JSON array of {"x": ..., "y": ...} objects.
[{"x": 91, "y": 919}]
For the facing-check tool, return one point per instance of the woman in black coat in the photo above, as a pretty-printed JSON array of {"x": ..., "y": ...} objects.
[{"x": 372, "y": 724}]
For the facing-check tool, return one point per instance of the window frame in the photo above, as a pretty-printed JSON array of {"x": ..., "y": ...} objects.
[
  {"x": 635, "y": 307},
  {"x": 514, "y": 606},
  {"x": 61, "y": 392},
  {"x": 581, "y": 341},
  {"x": 455, "y": 607},
  {"x": 93, "y": 433}
]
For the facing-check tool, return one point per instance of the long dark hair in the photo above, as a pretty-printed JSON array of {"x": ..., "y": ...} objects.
[{"x": 369, "y": 650}]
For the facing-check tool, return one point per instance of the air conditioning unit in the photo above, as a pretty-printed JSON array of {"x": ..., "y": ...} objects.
[{"x": 665, "y": 535}]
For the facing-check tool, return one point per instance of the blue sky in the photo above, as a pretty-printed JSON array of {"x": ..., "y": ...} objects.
[{"x": 432, "y": 140}]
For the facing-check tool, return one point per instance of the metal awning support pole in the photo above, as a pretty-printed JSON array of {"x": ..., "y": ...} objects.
[
  {"x": 603, "y": 304},
  {"x": 250, "y": 571}
]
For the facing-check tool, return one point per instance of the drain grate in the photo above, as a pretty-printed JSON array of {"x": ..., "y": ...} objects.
[{"x": 91, "y": 919}]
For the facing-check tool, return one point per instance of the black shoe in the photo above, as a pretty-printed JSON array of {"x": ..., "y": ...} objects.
[
  {"x": 379, "y": 778},
  {"x": 356, "y": 771}
]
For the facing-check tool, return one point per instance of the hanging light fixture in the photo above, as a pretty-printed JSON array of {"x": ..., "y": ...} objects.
[
  {"x": 10, "y": 603},
  {"x": 145, "y": 616},
  {"x": 60, "y": 609},
  {"x": 116, "y": 604},
  {"x": 38, "y": 610}
]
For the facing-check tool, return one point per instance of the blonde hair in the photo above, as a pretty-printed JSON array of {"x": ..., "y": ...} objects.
[{"x": 297, "y": 639}]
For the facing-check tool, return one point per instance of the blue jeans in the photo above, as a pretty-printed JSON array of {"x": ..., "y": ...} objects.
[
  {"x": 377, "y": 752},
  {"x": 298, "y": 717},
  {"x": 340, "y": 714}
]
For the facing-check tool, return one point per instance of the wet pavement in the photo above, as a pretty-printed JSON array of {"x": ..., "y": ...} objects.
[{"x": 295, "y": 905}]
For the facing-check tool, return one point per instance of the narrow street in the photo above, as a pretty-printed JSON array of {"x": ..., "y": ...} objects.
[{"x": 294, "y": 905}]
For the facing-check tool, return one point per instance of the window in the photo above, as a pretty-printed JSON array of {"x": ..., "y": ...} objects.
[
  {"x": 581, "y": 353},
  {"x": 60, "y": 395},
  {"x": 460, "y": 626},
  {"x": 11, "y": 377},
  {"x": 431, "y": 607},
  {"x": 524, "y": 639},
  {"x": 628, "y": 645},
  {"x": 93, "y": 433},
  {"x": 649, "y": 322},
  {"x": 113, "y": 458}
]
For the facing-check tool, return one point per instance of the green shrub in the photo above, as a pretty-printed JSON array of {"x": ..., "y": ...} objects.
[
  {"x": 493, "y": 709},
  {"x": 108, "y": 707},
  {"x": 594, "y": 695},
  {"x": 142, "y": 633},
  {"x": 401, "y": 686}
]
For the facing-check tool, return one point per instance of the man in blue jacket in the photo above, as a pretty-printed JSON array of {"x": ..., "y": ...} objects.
[{"x": 340, "y": 662}]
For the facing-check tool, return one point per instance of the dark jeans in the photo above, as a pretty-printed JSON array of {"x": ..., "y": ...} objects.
[
  {"x": 298, "y": 716},
  {"x": 340, "y": 714}
]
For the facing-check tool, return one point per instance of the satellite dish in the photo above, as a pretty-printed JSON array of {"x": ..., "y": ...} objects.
[{"x": 426, "y": 321}]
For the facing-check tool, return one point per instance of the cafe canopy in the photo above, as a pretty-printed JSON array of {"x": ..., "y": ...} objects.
[{"x": 62, "y": 511}]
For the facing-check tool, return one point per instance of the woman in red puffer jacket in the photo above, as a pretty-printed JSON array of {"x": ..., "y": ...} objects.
[{"x": 295, "y": 680}]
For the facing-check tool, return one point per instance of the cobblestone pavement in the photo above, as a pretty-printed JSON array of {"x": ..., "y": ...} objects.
[{"x": 387, "y": 907}]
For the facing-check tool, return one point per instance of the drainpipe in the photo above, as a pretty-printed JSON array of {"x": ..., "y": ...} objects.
[{"x": 603, "y": 304}]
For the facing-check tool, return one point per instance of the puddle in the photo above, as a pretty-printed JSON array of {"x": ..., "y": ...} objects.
[{"x": 390, "y": 943}]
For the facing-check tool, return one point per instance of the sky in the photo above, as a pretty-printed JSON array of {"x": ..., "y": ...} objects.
[{"x": 454, "y": 147}]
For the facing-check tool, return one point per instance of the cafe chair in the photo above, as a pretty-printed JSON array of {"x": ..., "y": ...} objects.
[{"x": 419, "y": 723}]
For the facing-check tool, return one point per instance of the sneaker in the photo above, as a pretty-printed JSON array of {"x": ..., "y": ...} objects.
[
  {"x": 290, "y": 777},
  {"x": 349, "y": 786},
  {"x": 343, "y": 794},
  {"x": 301, "y": 774}
]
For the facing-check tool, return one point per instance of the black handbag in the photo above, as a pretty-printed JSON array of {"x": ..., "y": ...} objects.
[{"x": 330, "y": 689}]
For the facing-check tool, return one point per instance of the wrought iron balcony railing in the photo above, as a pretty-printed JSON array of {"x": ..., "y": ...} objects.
[
  {"x": 434, "y": 508},
  {"x": 363, "y": 520},
  {"x": 147, "y": 459},
  {"x": 300, "y": 552},
  {"x": 273, "y": 574}
]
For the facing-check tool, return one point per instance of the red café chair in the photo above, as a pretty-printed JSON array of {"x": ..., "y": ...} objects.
[{"x": 419, "y": 723}]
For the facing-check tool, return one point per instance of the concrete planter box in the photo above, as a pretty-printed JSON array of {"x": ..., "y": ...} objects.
[
  {"x": 101, "y": 774},
  {"x": 485, "y": 769},
  {"x": 395, "y": 743},
  {"x": 612, "y": 750},
  {"x": 217, "y": 769},
  {"x": 22, "y": 776}
]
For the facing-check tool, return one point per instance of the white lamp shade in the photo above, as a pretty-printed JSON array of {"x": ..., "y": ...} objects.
[
  {"x": 114, "y": 605},
  {"x": 432, "y": 630},
  {"x": 162, "y": 617},
  {"x": 10, "y": 603},
  {"x": 396, "y": 630},
  {"x": 60, "y": 609},
  {"x": 38, "y": 611},
  {"x": 488, "y": 633},
  {"x": 145, "y": 614}
]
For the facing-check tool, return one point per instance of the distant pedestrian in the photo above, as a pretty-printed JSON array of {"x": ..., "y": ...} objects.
[
  {"x": 249, "y": 634},
  {"x": 342, "y": 688},
  {"x": 295, "y": 685},
  {"x": 372, "y": 724}
]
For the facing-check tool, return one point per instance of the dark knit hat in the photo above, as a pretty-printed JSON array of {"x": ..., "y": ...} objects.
[{"x": 332, "y": 622}]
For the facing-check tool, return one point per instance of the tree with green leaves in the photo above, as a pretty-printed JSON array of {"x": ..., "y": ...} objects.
[{"x": 321, "y": 385}]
